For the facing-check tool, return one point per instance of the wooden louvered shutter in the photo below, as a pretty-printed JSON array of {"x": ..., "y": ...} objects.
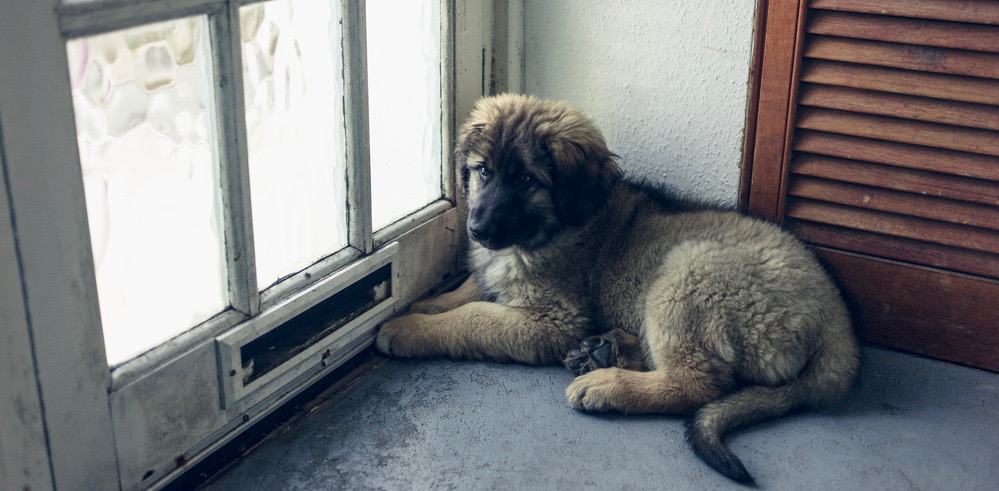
[{"x": 876, "y": 139}]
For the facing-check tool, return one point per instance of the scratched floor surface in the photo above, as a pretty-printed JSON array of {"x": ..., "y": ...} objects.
[{"x": 912, "y": 424}]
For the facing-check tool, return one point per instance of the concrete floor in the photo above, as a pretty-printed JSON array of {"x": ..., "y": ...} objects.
[{"x": 912, "y": 424}]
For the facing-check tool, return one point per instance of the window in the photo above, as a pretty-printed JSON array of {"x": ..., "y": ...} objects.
[
  {"x": 293, "y": 99},
  {"x": 143, "y": 104},
  {"x": 149, "y": 106},
  {"x": 405, "y": 117},
  {"x": 218, "y": 201}
]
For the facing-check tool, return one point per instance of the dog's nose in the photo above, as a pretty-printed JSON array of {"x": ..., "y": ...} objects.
[{"x": 477, "y": 231}]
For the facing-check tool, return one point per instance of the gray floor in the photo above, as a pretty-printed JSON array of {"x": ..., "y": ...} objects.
[{"x": 912, "y": 424}]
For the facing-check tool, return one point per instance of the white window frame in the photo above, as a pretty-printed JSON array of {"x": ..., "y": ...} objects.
[{"x": 95, "y": 431}]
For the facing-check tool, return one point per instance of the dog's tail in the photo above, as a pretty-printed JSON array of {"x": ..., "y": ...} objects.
[{"x": 826, "y": 378}]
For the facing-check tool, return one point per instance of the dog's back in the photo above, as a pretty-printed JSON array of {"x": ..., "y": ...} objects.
[{"x": 739, "y": 296}]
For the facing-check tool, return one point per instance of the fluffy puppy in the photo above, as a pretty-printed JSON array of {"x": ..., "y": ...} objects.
[{"x": 658, "y": 309}]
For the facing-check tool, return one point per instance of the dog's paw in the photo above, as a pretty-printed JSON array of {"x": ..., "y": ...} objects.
[
  {"x": 427, "y": 307},
  {"x": 594, "y": 391},
  {"x": 594, "y": 353},
  {"x": 399, "y": 336}
]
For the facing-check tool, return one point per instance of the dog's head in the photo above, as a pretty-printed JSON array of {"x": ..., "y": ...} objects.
[{"x": 529, "y": 169}]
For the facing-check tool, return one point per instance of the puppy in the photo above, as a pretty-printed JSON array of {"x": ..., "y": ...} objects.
[{"x": 658, "y": 310}]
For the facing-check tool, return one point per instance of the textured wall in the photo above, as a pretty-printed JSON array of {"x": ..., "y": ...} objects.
[{"x": 665, "y": 80}]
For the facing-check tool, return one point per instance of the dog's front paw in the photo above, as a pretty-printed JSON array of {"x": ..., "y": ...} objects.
[
  {"x": 401, "y": 336},
  {"x": 594, "y": 391}
]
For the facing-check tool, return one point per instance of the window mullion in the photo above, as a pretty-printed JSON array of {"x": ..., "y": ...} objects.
[
  {"x": 233, "y": 160},
  {"x": 356, "y": 120},
  {"x": 448, "y": 101}
]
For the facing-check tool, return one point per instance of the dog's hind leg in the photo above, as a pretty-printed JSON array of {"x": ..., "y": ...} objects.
[{"x": 679, "y": 389}]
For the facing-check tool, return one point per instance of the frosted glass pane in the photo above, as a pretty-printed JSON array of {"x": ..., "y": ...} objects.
[
  {"x": 142, "y": 98},
  {"x": 404, "y": 108},
  {"x": 294, "y": 119}
]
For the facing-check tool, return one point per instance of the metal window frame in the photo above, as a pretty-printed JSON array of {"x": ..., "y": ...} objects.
[
  {"x": 48, "y": 220},
  {"x": 231, "y": 370},
  {"x": 86, "y": 18},
  {"x": 355, "y": 109},
  {"x": 90, "y": 414},
  {"x": 25, "y": 463}
]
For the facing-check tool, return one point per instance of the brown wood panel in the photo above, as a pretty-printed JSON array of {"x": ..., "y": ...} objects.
[
  {"x": 936, "y": 85},
  {"x": 898, "y": 154},
  {"x": 900, "y": 130},
  {"x": 941, "y": 34},
  {"x": 907, "y": 227},
  {"x": 976, "y": 11},
  {"x": 898, "y": 178},
  {"x": 913, "y": 251},
  {"x": 752, "y": 105},
  {"x": 775, "y": 109},
  {"x": 873, "y": 198},
  {"x": 923, "y": 310},
  {"x": 909, "y": 57},
  {"x": 906, "y": 150},
  {"x": 900, "y": 106}
]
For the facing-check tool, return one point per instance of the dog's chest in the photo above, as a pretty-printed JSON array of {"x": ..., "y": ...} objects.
[{"x": 508, "y": 276}]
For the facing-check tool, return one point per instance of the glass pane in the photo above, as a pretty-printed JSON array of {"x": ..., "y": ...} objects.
[
  {"x": 404, "y": 108},
  {"x": 143, "y": 104},
  {"x": 294, "y": 119}
]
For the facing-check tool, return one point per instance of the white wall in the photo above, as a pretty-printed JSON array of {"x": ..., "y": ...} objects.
[{"x": 665, "y": 80}]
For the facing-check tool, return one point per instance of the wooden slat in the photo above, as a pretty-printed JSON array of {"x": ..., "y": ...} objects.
[
  {"x": 900, "y": 106},
  {"x": 897, "y": 178},
  {"x": 907, "y": 31},
  {"x": 940, "y": 86},
  {"x": 774, "y": 121},
  {"x": 900, "y": 130},
  {"x": 895, "y": 225},
  {"x": 924, "y": 310},
  {"x": 913, "y": 251},
  {"x": 975, "y": 11},
  {"x": 898, "y": 154},
  {"x": 922, "y": 58},
  {"x": 873, "y": 198}
]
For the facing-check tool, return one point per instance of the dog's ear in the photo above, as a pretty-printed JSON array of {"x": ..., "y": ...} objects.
[
  {"x": 470, "y": 139},
  {"x": 584, "y": 171}
]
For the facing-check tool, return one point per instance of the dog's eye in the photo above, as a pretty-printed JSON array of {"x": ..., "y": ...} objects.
[
  {"x": 484, "y": 173},
  {"x": 525, "y": 180}
]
